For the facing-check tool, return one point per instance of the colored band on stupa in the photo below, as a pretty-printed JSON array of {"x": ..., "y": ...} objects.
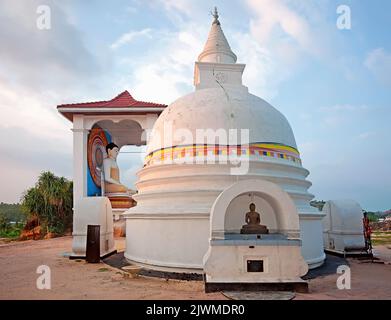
[{"x": 258, "y": 149}]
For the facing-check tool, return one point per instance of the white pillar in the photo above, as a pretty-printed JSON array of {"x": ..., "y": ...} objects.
[
  {"x": 80, "y": 136},
  {"x": 150, "y": 121}
]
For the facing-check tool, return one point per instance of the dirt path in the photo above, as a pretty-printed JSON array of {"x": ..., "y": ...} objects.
[
  {"x": 368, "y": 281},
  {"x": 79, "y": 280}
]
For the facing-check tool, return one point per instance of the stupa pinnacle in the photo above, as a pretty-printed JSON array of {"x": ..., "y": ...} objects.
[{"x": 217, "y": 48}]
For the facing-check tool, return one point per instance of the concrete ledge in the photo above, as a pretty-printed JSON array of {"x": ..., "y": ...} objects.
[
  {"x": 255, "y": 242},
  {"x": 163, "y": 266},
  {"x": 299, "y": 286},
  {"x": 316, "y": 262},
  {"x": 350, "y": 254},
  {"x": 104, "y": 256},
  {"x": 171, "y": 275}
]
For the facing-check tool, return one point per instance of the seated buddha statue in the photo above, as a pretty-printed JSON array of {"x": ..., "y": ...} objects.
[
  {"x": 253, "y": 223},
  {"x": 111, "y": 171}
]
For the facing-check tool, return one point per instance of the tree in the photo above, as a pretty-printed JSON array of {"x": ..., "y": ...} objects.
[
  {"x": 372, "y": 217},
  {"x": 12, "y": 219},
  {"x": 12, "y": 212},
  {"x": 4, "y": 223},
  {"x": 318, "y": 204},
  {"x": 51, "y": 201}
]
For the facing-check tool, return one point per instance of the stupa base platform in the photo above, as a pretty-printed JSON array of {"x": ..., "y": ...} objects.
[
  {"x": 350, "y": 253},
  {"x": 295, "y": 286}
]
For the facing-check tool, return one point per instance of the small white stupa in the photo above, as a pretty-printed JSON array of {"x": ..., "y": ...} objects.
[
  {"x": 343, "y": 226},
  {"x": 171, "y": 227}
]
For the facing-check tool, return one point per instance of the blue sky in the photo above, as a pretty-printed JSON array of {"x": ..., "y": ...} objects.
[{"x": 333, "y": 85}]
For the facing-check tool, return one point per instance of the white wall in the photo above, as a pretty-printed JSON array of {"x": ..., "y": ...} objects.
[{"x": 179, "y": 242}]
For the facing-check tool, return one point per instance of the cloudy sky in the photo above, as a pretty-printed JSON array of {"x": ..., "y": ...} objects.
[{"x": 333, "y": 85}]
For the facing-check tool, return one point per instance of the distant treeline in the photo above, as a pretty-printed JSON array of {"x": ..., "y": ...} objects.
[
  {"x": 318, "y": 204},
  {"x": 12, "y": 220},
  {"x": 12, "y": 212}
]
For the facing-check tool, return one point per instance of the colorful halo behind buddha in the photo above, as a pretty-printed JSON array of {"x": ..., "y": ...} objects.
[{"x": 96, "y": 152}]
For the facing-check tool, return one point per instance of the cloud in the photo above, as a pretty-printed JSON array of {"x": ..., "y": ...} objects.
[
  {"x": 38, "y": 70},
  {"x": 34, "y": 138},
  {"x": 341, "y": 114},
  {"x": 25, "y": 155},
  {"x": 130, "y": 160},
  {"x": 131, "y": 10},
  {"x": 366, "y": 135},
  {"x": 130, "y": 36},
  {"x": 292, "y": 23},
  {"x": 265, "y": 68},
  {"x": 281, "y": 36},
  {"x": 183, "y": 6},
  {"x": 168, "y": 64},
  {"x": 378, "y": 62},
  {"x": 168, "y": 68},
  {"x": 271, "y": 14},
  {"x": 305, "y": 116},
  {"x": 178, "y": 8},
  {"x": 41, "y": 59}
]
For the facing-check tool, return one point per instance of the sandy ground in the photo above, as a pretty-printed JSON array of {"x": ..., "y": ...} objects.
[
  {"x": 368, "y": 281},
  {"x": 72, "y": 279}
]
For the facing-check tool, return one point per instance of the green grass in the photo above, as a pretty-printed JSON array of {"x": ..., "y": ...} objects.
[
  {"x": 381, "y": 237},
  {"x": 12, "y": 232}
]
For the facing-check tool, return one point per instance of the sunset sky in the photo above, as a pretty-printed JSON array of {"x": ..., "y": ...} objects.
[{"x": 334, "y": 86}]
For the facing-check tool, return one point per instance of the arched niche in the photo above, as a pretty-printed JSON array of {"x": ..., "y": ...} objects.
[
  {"x": 235, "y": 215},
  {"x": 124, "y": 132},
  {"x": 280, "y": 211}
]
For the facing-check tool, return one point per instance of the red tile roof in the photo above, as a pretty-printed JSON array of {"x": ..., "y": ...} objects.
[{"x": 123, "y": 100}]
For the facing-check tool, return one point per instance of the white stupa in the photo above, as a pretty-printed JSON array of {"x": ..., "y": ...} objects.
[
  {"x": 343, "y": 226},
  {"x": 170, "y": 227}
]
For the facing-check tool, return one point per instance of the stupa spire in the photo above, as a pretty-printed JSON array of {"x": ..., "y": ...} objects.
[
  {"x": 215, "y": 15},
  {"x": 217, "y": 49}
]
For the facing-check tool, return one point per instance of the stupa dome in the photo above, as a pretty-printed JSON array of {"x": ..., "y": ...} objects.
[{"x": 215, "y": 108}]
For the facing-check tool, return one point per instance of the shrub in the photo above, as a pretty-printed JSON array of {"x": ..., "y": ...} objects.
[{"x": 51, "y": 201}]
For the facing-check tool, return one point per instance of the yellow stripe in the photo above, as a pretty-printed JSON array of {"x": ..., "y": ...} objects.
[
  {"x": 199, "y": 150},
  {"x": 275, "y": 146}
]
